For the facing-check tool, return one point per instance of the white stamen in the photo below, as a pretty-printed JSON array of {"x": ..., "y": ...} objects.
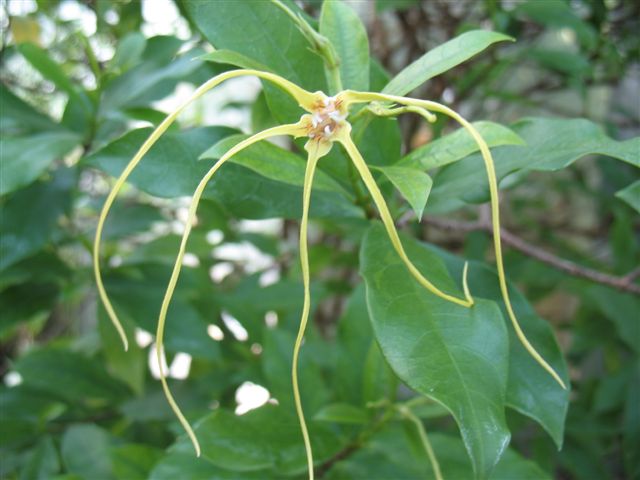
[
  {"x": 336, "y": 116},
  {"x": 327, "y": 130},
  {"x": 315, "y": 120}
]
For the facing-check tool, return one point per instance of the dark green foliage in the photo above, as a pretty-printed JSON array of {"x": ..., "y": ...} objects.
[{"x": 553, "y": 105}]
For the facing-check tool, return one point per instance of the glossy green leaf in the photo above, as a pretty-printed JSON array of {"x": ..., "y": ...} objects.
[
  {"x": 276, "y": 365},
  {"x": 342, "y": 26},
  {"x": 25, "y": 414},
  {"x": 413, "y": 184},
  {"x": 559, "y": 15},
  {"x": 551, "y": 144},
  {"x": 184, "y": 465},
  {"x": 130, "y": 366},
  {"x": 631, "y": 195},
  {"x": 455, "y": 355},
  {"x": 395, "y": 452},
  {"x": 16, "y": 311},
  {"x": 382, "y": 5},
  {"x": 43, "y": 461},
  {"x": 170, "y": 168},
  {"x": 24, "y": 159},
  {"x": 262, "y": 32},
  {"x": 69, "y": 376},
  {"x": 19, "y": 118},
  {"x": 128, "y": 51},
  {"x": 154, "y": 77},
  {"x": 137, "y": 295},
  {"x": 266, "y": 438},
  {"x": 236, "y": 59},
  {"x": 457, "y": 145},
  {"x": 29, "y": 217},
  {"x": 361, "y": 373},
  {"x": 49, "y": 69},
  {"x": 246, "y": 194},
  {"x": 530, "y": 389},
  {"x": 622, "y": 310},
  {"x": 134, "y": 461},
  {"x": 85, "y": 452},
  {"x": 272, "y": 162},
  {"x": 128, "y": 219},
  {"x": 342, "y": 413},
  {"x": 442, "y": 58}
]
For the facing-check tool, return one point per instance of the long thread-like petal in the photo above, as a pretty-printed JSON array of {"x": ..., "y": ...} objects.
[
  {"x": 387, "y": 220},
  {"x": 358, "y": 97},
  {"x": 316, "y": 150},
  {"x": 305, "y": 99},
  {"x": 292, "y": 129}
]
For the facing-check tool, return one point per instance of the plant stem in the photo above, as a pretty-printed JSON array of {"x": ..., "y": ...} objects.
[
  {"x": 624, "y": 283},
  {"x": 409, "y": 415}
]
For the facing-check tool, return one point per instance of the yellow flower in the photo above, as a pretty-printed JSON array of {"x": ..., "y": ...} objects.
[{"x": 325, "y": 123}]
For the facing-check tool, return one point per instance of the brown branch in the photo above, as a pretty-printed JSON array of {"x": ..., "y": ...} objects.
[
  {"x": 346, "y": 452},
  {"x": 624, "y": 283}
]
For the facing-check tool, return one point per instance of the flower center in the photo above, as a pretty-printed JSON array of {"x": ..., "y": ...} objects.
[{"x": 327, "y": 118}]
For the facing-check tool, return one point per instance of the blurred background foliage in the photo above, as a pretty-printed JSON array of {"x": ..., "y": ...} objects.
[{"x": 81, "y": 83}]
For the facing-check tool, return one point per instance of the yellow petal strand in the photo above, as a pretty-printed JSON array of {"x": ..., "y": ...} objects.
[
  {"x": 387, "y": 220},
  {"x": 495, "y": 220},
  {"x": 316, "y": 151},
  {"x": 304, "y": 98},
  {"x": 293, "y": 129},
  {"x": 357, "y": 97}
]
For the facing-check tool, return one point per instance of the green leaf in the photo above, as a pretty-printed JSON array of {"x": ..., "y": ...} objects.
[
  {"x": 530, "y": 389},
  {"x": 133, "y": 461},
  {"x": 24, "y": 159},
  {"x": 49, "y": 69},
  {"x": 69, "y": 376},
  {"x": 246, "y": 194},
  {"x": 342, "y": 413},
  {"x": 276, "y": 365},
  {"x": 455, "y": 355},
  {"x": 19, "y": 118},
  {"x": 78, "y": 98},
  {"x": 137, "y": 294},
  {"x": 442, "y": 58},
  {"x": 413, "y": 184},
  {"x": 395, "y": 452},
  {"x": 266, "y": 438},
  {"x": 43, "y": 461},
  {"x": 85, "y": 452},
  {"x": 24, "y": 303},
  {"x": 129, "y": 366},
  {"x": 342, "y": 26},
  {"x": 153, "y": 78},
  {"x": 128, "y": 51},
  {"x": 631, "y": 195},
  {"x": 170, "y": 169},
  {"x": 622, "y": 310},
  {"x": 184, "y": 465},
  {"x": 272, "y": 162},
  {"x": 236, "y": 59},
  {"x": 551, "y": 144},
  {"x": 457, "y": 145},
  {"x": 559, "y": 15},
  {"x": 128, "y": 219},
  {"x": 262, "y": 32},
  {"x": 25, "y": 414},
  {"x": 29, "y": 217},
  {"x": 361, "y": 373}
]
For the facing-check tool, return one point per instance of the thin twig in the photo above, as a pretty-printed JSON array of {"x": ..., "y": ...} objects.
[{"x": 624, "y": 283}]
